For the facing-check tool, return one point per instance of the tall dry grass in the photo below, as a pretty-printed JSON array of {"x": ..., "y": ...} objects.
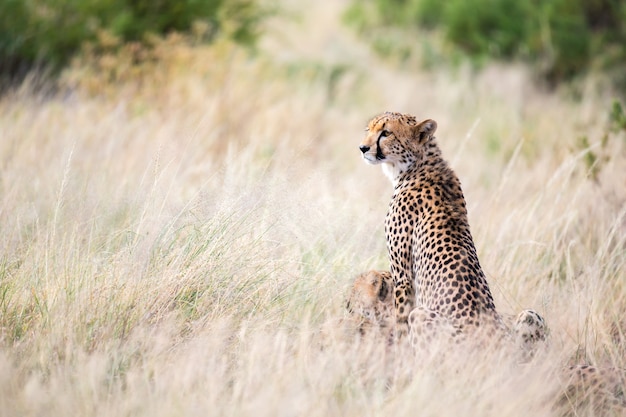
[{"x": 179, "y": 241}]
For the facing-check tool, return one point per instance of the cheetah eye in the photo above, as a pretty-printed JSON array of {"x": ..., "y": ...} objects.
[{"x": 385, "y": 133}]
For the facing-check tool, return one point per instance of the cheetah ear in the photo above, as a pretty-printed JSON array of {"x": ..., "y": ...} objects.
[
  {"x": 425, "y": 129},
  {"x": 383, "y": 291}
]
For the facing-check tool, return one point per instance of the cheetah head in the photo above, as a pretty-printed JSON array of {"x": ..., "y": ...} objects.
[
  {"x": 396, "y": 140},
  {"x": 370, "y": 299}
]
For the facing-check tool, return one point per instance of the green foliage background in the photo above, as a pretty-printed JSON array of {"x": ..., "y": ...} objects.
[
  {"x": 560, "y": 38},
  {"x": 48, "y": 33}
]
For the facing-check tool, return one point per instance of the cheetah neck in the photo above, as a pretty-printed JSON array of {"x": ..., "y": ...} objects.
[{"x": 395, "y": 171}]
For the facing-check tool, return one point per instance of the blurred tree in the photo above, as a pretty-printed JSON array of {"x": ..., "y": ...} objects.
[
  {"x": 47, "y": 33},
  {"x": 561, "y": 38}
]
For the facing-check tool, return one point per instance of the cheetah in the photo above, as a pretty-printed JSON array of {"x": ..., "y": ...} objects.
[
  {"x": 434, "y": 265},
  {"x": 587, "y": 387}
]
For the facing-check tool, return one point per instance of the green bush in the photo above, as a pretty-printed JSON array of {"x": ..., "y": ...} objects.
[
  {"x": 487, "y": 27},
  {"x": 561, "y": 38},
  {"x": 47, "y": 33}
]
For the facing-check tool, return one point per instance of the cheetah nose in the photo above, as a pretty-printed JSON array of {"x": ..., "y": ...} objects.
[{"x": 364, "y": 148}]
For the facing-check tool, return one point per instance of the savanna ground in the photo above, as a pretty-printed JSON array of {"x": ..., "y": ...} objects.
[{"x": 178, "y": 241}]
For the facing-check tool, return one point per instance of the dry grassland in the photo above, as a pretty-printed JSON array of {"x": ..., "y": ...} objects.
[{"x": 179, "y": 242}]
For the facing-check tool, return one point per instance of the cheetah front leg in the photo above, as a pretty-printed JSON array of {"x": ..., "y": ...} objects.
[{"x": 403, "y": 302}]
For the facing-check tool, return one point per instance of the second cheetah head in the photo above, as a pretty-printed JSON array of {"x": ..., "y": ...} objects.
[{"x": 369, "y": 299}]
